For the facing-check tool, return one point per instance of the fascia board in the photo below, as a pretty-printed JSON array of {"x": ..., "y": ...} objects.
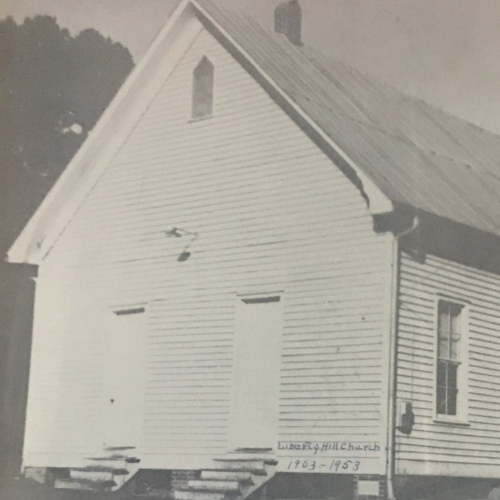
[{"x": 82, "y": 173}]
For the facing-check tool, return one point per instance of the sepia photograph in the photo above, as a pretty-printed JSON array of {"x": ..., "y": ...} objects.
[{"x": 250, "y": 250}]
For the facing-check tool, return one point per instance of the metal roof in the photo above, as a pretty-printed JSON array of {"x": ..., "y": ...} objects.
[{"x": 417, "y": 154}]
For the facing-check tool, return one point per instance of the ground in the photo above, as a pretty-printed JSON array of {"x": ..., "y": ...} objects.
[
  {"x": 22, "y": 489},
  {"x": 434, "y": 489}
]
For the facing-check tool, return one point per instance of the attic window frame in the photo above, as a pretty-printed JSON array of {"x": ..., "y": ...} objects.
[{"x": 203, "y": 90}]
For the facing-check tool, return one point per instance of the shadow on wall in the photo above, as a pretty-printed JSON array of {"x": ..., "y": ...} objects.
[{"x": 16, "y": 318}]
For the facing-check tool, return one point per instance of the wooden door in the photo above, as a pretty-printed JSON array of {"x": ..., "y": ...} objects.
[
  {"x": 254, "y": 418},
  {"x": 125, "y": 377}
]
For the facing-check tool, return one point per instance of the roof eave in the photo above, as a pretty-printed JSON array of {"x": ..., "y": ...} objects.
[{"x": 37, "y": 237}]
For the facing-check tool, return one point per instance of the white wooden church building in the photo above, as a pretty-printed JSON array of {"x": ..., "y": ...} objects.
[{"x": 262, "y": 266}]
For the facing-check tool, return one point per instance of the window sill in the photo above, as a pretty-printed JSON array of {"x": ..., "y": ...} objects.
[{"x": 451, "y": 422}]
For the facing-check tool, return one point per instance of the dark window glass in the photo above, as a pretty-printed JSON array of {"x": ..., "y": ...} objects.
[{"x": 203, "y": 89}]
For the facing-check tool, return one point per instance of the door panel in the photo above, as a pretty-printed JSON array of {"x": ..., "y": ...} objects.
[
  {"x": 254, "y": 418},
  {"x": 127, "y": 334}
]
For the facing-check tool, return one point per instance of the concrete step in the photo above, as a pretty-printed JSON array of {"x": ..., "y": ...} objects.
[
  {"x": 222, "y": 475},
  {"x": 83, "y": 484},
  {"x": 96, "y": 473},
  {"x": 116, "y": 471},
  {"x": 247, "y": 461},
  {"x": 214, "y": 485},
  {"x": 250, "y": 454},
  {"x": 113, "y": 461},
  {"x": 198, "y": 495},
  {"x": 255, "y": 466},
  {"x": 63, "y": 484},
  {"x": 154, "y": 495},
  {"x": 119, "y": 448},
  {"x": 254, "y": 471},
  {"x": 251, "y": 450},
  {"x": 234, "y": 457},
  {"x": 115, "y": 457},
  {"x": 91, "y": 475},
  {"x": 105, "y": 463}
]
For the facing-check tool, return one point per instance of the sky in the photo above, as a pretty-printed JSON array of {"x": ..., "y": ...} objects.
[{"x": 446, "y": 52}]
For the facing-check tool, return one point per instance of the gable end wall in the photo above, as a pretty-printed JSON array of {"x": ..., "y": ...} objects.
[{"x": 272, "y": 214}]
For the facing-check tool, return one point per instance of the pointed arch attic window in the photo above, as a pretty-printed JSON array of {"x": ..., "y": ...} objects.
[{"x": 203, "y": 90}]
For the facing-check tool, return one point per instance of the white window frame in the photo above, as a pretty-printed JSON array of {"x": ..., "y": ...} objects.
[{"x": 462, "y": 414}]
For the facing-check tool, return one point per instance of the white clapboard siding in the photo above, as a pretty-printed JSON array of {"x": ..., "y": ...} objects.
[
  {"x": 273, "y": 215},
  {"x": 475, "y": 445}
]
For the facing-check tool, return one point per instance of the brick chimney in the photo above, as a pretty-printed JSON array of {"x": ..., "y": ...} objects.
[{"x": 288, "y": 21}]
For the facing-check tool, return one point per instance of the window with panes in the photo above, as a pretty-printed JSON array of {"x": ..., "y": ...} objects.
[{"x": 450, "y": 327}]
